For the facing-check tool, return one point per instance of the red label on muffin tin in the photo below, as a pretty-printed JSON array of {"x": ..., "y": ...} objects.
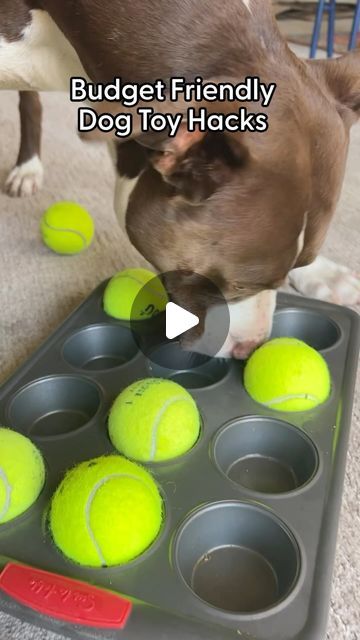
[{"x": 64, "y": 598}]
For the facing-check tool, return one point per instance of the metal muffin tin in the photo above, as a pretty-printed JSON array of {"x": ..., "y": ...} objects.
[{"x": 251, "y": 513}]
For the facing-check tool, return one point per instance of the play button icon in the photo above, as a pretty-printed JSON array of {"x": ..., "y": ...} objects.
[
  {"x": 178, "y": 321},
  {"x": 190, "y": 326}
]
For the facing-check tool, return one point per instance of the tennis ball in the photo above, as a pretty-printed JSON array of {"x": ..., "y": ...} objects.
[
  {"x": 67, "y": 228},
  {"x": 154, "y": 420},
  {"x": 286, "y": 374},
  {"x": 106, "y": 512},
  {"x": 123, "y": 300},
  {"x": 22, "y": 474}
]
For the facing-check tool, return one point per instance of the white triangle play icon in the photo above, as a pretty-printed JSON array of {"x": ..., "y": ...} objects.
[{"x": 178, "y": 321}]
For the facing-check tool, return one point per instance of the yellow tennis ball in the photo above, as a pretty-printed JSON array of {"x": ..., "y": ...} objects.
[
  {"x": 127, "y": 298},
  {"x": 154, "y": 420},
  {"x": 67, "y": 228},
  {"x": 22, "y": 474},
  {"x": 106, "y": 512},
  {"x": 286, "y": 374}
]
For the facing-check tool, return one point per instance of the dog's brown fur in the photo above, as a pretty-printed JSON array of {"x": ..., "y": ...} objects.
[
  {"x": 228, "y": 206},
  {"x": 240, "y": 196}
]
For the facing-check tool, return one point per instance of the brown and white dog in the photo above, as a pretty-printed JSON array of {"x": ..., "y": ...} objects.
[{"x": 246, "y": 210}]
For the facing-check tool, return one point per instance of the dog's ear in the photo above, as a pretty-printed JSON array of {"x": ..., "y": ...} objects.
[
  {"x": 342, "y": 77},
  {"x": 195, "y": 164}
]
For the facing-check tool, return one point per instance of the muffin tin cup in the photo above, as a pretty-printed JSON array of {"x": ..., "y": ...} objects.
[
  {"x": 54, "y": 406},
  {"x": 237, "y": 557},
  {"x": 316, "y": 329},
  {"x": 265, "y": 455},
  {"x": 191, "y": 370},
  {"x": 100, "y": 348}
]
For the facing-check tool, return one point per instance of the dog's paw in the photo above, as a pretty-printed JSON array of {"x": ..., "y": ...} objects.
[
  {"x": 25, "y": 179},
  {"x": 326, "y": 280}
]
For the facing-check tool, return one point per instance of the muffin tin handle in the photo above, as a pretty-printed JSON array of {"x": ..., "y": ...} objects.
[{"x": 64, "y": 598}]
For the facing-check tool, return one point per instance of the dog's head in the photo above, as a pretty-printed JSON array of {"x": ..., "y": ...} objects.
[{"x": 244, "y": 209}]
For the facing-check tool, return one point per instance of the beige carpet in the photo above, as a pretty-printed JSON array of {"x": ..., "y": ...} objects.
[{"x": 38, "y": 289}]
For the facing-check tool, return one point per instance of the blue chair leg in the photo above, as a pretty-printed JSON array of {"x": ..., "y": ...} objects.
[
  {"x": 331, "y": 28},
  {"x": 317, "y": 28},
  {"x": 356, "y": 27}
]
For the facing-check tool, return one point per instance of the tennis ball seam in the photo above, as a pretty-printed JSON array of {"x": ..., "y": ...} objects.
[
  {"x": 295, "y": 396},
  {"x": 157, "y": 422},
  {"x": 90, "y": 500},
  {"x": 8, "y": 490},
  {"x": 156, "y": 294},
  {"x": 74, "y": 231}
]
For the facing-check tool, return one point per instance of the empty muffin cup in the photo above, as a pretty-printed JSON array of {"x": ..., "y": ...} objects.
[
  {"x": 265, "y": 455},
  {"x": 314, "y": 328},
  {"x": 237, "y": 557},
  {"x": 100, "y": 347},
  {"x": 54, "y": 406},
  {"x": 191, "y": 370}
]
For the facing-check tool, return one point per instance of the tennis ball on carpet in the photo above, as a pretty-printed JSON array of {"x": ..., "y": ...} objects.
[
  {"x": 22, "y": 474},
  {"x": 286, "y": 374},
  {"x": 67, "y": 228},
  {"x": 106, "y": 512},
  {"x": 154, "y": 420},
  {"x": 127, "y": 298}
]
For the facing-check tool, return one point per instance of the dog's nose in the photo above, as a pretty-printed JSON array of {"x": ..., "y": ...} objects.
[{"x": 242, "y": 350}]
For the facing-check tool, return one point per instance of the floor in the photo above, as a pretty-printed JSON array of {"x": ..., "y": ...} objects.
[
  {"x": 38, "y": 289},
  {"x": 299, "y": 28}
]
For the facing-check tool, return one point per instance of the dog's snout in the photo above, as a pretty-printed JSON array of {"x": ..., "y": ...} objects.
[
  {"x": 250, "y": 326},
  {"x": 242, "y": 350}
]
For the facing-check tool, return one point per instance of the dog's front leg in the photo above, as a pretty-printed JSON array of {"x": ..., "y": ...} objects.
[
  {"x": 326, "y": 280},
  {"x": 321, "y": 278},
  {"x": 129, "y": 160},
  {"x": 26, "y": 177}
]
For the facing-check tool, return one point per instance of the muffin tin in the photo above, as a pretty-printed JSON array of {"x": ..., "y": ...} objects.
[{"x": 251, "y": 512}]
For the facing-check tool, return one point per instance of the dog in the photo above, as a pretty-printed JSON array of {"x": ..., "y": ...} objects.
[
  {"x": 246, "y": 210},
  {"x": 26, "y": 178}
]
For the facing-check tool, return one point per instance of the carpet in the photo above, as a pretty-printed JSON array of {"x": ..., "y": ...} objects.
[{"x": 38, "y": 289}]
